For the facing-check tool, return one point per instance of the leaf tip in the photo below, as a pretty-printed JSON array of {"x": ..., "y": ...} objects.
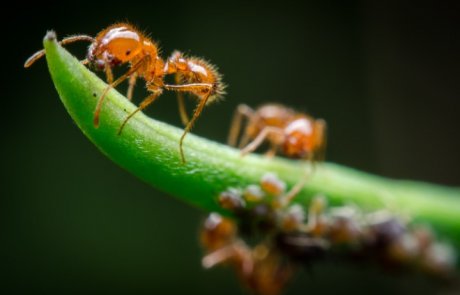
[{"x": 50, "y": 36}]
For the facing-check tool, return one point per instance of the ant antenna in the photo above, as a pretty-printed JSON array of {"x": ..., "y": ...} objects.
[{"x": 39, "y": 54}]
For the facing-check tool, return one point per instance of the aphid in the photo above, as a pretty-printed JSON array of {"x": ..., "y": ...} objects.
[
  {"x": 384, "y": 227},
  {"x": 296, "y": 135},
  {"x": 272, "y": 185},
  {"x": 121, "y": 43},
  {"x": 271, "y": 271},
  {"x": 231, "y": 200},
  {"x": 293, "y": 134},
  {"x": 222, "y": 245},
  {"x": 344, "y": 227},
  {"x": 292, "y": 219},
  {"x": 253, "y": 193},
  {"x": 217, "y": 232}
]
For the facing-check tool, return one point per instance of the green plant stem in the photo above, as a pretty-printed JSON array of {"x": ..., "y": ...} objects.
[{"x": 149, "y": 149}]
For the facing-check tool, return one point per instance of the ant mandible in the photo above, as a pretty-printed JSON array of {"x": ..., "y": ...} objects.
[
  {"x": 122, "y": 43},
  {"x": 294, "y": 134}
]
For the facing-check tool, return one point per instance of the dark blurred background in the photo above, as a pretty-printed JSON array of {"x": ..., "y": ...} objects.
[{"x": 385, "y": 77}]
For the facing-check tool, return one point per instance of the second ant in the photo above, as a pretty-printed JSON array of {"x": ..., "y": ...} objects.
[{"x": 293, "y": 134}]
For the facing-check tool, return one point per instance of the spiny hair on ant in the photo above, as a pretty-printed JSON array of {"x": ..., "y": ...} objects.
[{"x": 122, "y": 43}]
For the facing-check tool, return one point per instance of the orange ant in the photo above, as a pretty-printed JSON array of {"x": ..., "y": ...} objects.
[
  {"x": 296, "y": 135},
  {"x": 121, "y": 43}
]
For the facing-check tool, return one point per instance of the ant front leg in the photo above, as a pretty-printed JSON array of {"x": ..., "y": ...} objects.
[
  {"x": 132, "y": 83},
  {"x": 253, "y": 145},
  {"x": 114, "y": 84},
  {"x": 145, "y": 103},
  {"x": 241, "y": 111}
]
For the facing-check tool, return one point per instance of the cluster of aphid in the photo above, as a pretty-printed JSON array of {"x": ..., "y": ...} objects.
[{"x": 290, "y": 236}]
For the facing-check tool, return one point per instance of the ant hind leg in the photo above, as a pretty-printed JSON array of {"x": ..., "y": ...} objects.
[
  {"x": 241, "y": 111},
  {"x": 253, "y": 145},
  {"x": 132, "y": 83},
  {"x": 193, "y": 88},
  {"x": 287, "y": 198},
  {"x": 189, "y": 126}
]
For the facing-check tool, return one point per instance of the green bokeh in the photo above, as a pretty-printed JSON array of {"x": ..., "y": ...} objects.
[{"x": 384, "y": 78}]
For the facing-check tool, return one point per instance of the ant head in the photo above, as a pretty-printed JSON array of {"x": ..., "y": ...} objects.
[
  {"x": 115, "y": 45},
  {"x": 300, "y": 140}
]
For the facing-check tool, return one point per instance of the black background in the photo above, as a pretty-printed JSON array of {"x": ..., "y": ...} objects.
[{"x": 384, "y": 76}]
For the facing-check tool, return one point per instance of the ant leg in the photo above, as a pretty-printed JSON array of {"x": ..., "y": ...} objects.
[
  {"x": 132, "y": 83},
  {"x": 271, "y": 152},
  {"x": 189, "y": 126},
  {"x": 259, "y": 139},
  {"x": 295, "y": 190},
  {"x": 194, "y": 88},
  {"x": 180, "y": 100},
  {"x": 321, "y": 126},
  {"x": 235, "y": 126},
  {"x": 244, "y": 141},
  {"x": 108, "y": 74},
  {"x": 145, "y": 103},
  {"x": 176, "y": 63},
  {"x": 287, "y": 198},
  {"x": 218, "y": 256},
  {"x": 236, "y": 250},
  {"x": 111, "y": 85},
  {"x": 39, "y": 54}
]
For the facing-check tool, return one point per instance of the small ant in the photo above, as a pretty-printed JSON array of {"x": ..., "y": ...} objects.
[
  {"x": 295, "y": 135},
  {"x": 121, "y": 43}
]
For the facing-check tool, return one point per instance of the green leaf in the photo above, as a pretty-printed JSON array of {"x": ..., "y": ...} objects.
[{"x": 150, "y": 150}]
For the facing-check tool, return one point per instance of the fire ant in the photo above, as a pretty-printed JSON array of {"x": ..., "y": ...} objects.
[
  {"x": 294, "y": 134},
  {"x": 122, "y": 43}
]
